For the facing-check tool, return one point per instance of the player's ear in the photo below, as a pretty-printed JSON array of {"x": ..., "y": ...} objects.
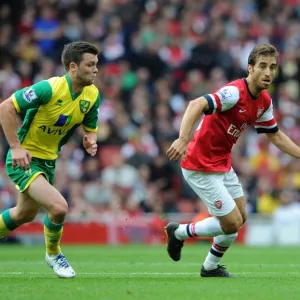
[
  {"x": 250, "y": 69},
  {"x": 73, "y": 66}
]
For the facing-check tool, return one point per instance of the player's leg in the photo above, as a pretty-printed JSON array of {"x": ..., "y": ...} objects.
[
  {"x": 26, "y": 208},
  {"x": 25, "y": 211},
  {"x": 34, "y": 185},
  {"x": 46, "y": 195},
  {"x": 235, "y": 189},
  {"x": 210, "y": 188},
  {"x": 241, "y": 204},
  {"x": 209, "y": 227},
  {"x": 221, "y": 243}
]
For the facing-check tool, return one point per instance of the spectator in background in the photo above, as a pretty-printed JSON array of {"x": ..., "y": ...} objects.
[
  {"x": 157, "y": 55},
  {"x": 47, "y": 30},
  {"x": 286, "y": 219}
]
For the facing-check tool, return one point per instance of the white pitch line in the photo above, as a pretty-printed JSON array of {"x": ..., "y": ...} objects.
[
  {"x": 106, "y": 273},
  {"x": 134, "y": 264},
  {"x": 261, "y": 274}
]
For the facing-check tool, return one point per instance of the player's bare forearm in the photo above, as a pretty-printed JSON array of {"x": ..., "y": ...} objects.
[
  {"x": 191, "y": 115},
  {"x": 91, "y": 135},
  {"x": 284, "y": 143},
  {"x": 8, "y": 118}
]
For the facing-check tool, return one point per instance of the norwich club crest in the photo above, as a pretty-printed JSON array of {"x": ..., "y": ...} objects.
[{"x": 84, "y": 105}]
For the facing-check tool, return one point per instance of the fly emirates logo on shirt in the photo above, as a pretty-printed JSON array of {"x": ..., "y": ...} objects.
[{"x": 235, "y": 131}]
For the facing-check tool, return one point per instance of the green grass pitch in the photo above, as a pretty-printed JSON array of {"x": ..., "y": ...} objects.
[{"x": 146, "y": 272}]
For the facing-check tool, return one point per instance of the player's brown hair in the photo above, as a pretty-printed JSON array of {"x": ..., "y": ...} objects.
[
  {"x": 73, "y": 52},
  {"x": 262, "y": 50}
]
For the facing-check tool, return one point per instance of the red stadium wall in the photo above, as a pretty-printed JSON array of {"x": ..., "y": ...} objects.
[{"x": 99, "y": 233}]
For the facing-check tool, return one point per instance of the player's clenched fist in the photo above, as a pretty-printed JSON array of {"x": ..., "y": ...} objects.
[
  {"x": 177, "y": 149},
  {"x": 20, "y": 158},
  {"x": 90, "y": 145}
]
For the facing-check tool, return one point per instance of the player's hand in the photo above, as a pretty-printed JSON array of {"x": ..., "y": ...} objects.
[
  {"x": 90, "y": 145},
  {"x": 177, "y": 149},
  {"x": 20, "y": 158}
]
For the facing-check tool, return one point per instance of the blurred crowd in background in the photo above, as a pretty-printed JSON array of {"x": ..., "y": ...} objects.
[{"x": 155, "y": 56}]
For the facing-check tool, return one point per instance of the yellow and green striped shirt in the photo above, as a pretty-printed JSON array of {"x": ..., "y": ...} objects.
[{"x": 53, "y": 112}]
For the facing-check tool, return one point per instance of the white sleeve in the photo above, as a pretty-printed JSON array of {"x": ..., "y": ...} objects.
[
  {"x": 224, "y": 99},
  {"x": 266, "y": 122}
]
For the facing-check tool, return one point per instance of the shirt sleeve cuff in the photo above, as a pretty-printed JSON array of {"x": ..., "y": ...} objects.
[
  {"x": 16, "y": 105},
  {"x": 267, "y": 130},
  {"x": 210, "y": 105},
  {"x": 90, "y": 129}
]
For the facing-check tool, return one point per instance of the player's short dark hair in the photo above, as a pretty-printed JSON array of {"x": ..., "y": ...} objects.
[
  {"x": 73, "y": 52},
  {"x": 262, "y": 50}
]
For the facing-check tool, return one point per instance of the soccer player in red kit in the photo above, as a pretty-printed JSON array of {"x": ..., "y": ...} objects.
[{"x": 206, "y": 159}]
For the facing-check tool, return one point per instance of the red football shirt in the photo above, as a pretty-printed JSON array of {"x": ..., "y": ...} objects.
[{"x": 232, "y": 109}]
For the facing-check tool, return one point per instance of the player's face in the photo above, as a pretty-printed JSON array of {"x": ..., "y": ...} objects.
[
  {"x": 263, "y": 72},
  {"x": 87, "y": 69}
]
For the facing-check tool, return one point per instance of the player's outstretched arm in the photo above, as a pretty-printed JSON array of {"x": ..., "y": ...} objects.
[
  {"x": 8, "y": 118},
  {"x": 191, "y": 115},
  {"x": 284, "y": 143}
]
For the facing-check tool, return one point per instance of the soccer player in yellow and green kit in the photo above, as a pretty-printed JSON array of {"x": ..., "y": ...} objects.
[{"x": 54, "y": 109}]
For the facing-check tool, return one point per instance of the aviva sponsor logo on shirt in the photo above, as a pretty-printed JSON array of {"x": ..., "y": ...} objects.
[{"x": 62, "y": 121}]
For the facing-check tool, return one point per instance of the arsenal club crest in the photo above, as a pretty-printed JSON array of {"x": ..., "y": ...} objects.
[
  {"x": 218, "y": 204},
  {"x": 259, "y": 112}
]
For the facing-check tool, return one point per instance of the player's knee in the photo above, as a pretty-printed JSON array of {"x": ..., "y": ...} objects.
[
  {"x": 231, "y": 228},
  {"x": 59, "y": 210},
  {"x": 233, "y": 225}
]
